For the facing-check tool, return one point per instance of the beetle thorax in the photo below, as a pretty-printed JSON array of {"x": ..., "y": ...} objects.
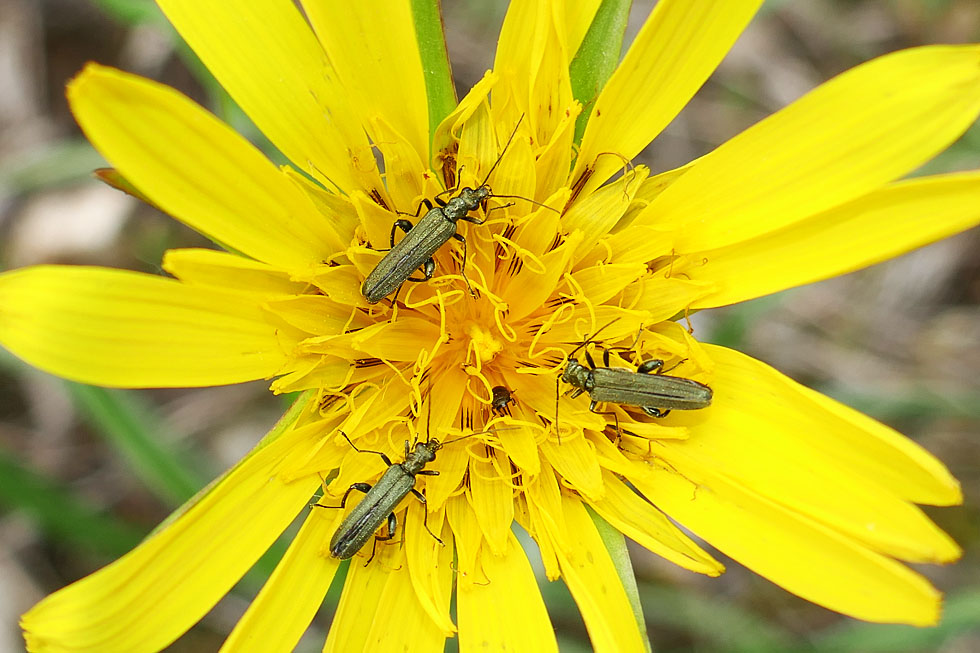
[
  {"x": 577, "y": 375},
  {"x": 420, "y": 456}
]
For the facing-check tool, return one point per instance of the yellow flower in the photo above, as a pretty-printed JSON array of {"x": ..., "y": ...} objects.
[{"x": 806, "y": 492}]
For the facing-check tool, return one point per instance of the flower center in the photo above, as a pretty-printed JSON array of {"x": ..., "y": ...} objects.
[{"x": 482, "y": 346}]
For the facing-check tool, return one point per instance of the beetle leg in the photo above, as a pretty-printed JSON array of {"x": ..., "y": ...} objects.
[
  {"x": 392, "y": 526},
  {"x": 360, "y": 487},
  {"x": 404, "y": 225},
  {"x": 425, "y": 515},
  {"x": 605, "y": 358},
  {"x": 655, "y": 366},
  {"x": 576, "y": 393},
  {"x": 678, "y": 364},
  {"x": 450, "y": 191},
  {"x": 428, "y": 269},
  {"x": 383, "y": 456},
  {"x": 462, "y": 267},
  {"x": 588, "y": 358},
  {"x": 426, "y": 203},
  {"x": 655, "y": 412},
  {"x": 619, "y": 433}
]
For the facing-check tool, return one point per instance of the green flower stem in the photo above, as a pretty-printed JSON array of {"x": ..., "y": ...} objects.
[
  {"x": 431, "y": 37},
  {"x": 597, "y": 57}
]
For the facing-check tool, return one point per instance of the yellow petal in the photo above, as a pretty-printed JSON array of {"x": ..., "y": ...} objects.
[
  {"x": 601, "y": 283},
  {"x": 399, "y": 621},
  {"x": 384, "y": 340},
  {"x": 342, "y": 284},
  {"x": 405, "y": 169},
  {"x": 267, "y": 58},
  {"x": 446, "y": 140},
  {"x": 538, "y": 393},
  {"x": 553, "y": 160},
  {"x": 502, "y": 609},
  {"x": 445, "y": 396},
  {"x": 598, "y": 213},
  {"x": 578, "y": 19},
  {"x": 793, "y": 551},
  {"x": 363, "y": 590},
  {"x": 536, "y": 286},
  {"x": 637, "y": 237},
  {"x": 125, "y": 329},
  {"x": 628, "y": 513},
  {"x": 316, "y": 314},
  {"x": 196, "y": 168},
  {"x": 466, "y": 535},
  {"x": 372, "y": 47},
  {"x": 575, "y": 459},
  {"x": 664, "y": 296},
  {"x": 591, "y": 577},
  {"x": 289, "y": 600},
  {"x": 492, "y": 499},
  {"x": 859, "y": 445},
  {"x": 873, "y": 228},
  {"x": 519, "y": 442},
  {"x": 678, "y": 47},
  {"x": 846, "y": 138},
  {"x": 532, "y": 61},
  {"x": 337, "y": 217},
  {"x": 430, "y": 564},
  {"x": 217, "y": 269},
  {"x": 150, "y": 596},
  {"x": 546, "y": 521}
]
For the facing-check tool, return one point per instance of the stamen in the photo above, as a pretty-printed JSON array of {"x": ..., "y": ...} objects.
[
  {"x": 520, "y": 253},
  {"x": 506, "y": 330}
]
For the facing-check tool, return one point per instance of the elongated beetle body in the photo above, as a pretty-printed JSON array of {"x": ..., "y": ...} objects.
[
  {"x": 421, "y": 241},
  {"x": 433, "y": 230},
  {"x": 380, "y": 501},
  {"x": 656, "y": 394},
  {"x": 378, "y": 505}
]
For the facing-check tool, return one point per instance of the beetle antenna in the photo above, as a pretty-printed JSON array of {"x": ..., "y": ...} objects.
[
  {"x": 589, "y": 339},
  {"x": 527, "y": 199},
  {"x": 557, "y": 429},
  {"x": 506, "y": 145},
  {"x": 428, "y": 421},
  {"x": 470, "y": 435}
]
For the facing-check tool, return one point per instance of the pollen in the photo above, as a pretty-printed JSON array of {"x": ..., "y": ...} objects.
[{"x": 483, "y": 346}]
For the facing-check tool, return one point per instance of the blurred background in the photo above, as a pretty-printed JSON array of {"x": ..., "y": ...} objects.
[{"x": 86, "y": 472}]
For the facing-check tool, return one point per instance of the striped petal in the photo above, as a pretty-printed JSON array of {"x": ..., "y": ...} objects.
[
  {"x": 860, "y": 446},
  {"x": 196, "y": 168},
  {"x": 876, "y": 227},
  {"x": 289, "y": 600},
  {"x": 500, "y": 607},
  {"x": 795, "y": 552},
  {"x": 592, "y": 579},
  {"x": 862, "y": 129},
  {"x": 150, "y": 596},
  {"x": 124, "y": 329},
  {"x": 679, "y": 46},
  {"x": 268, "y": 59},
  {"x": 372, "y": 47}
]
